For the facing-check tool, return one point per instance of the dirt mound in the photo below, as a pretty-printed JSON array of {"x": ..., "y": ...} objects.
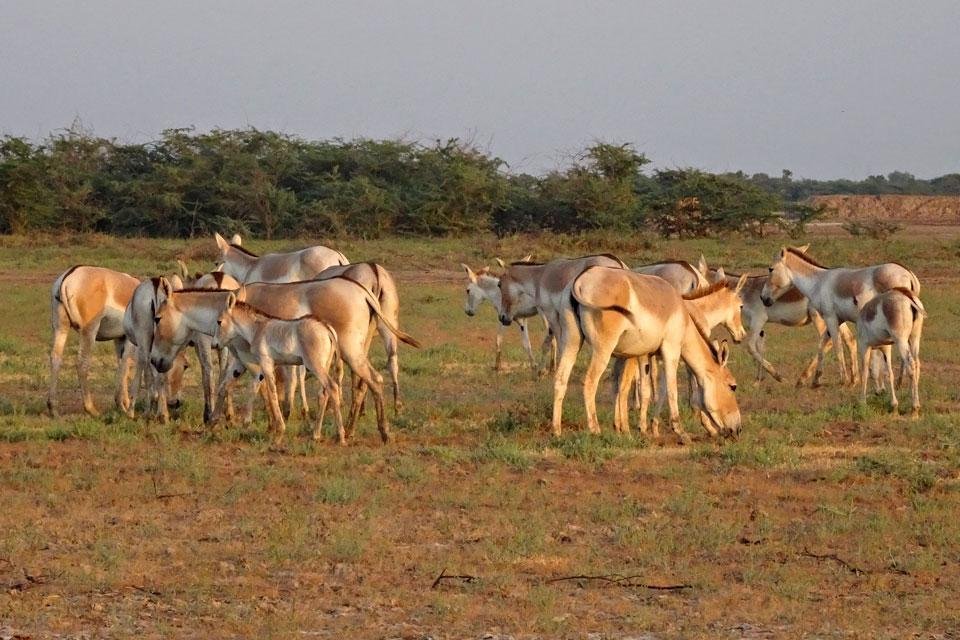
[{"x": 915, "y": 209}]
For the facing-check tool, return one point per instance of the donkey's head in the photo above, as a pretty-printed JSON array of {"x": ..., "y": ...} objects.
[
  {"x": 717, "y": 388},
  {"x": 476, "y": 294},
  {"x": 226, "y": 325},
  {"x": 170, "y": 335},
  {"x": 781, "y": 275},
  {"x": 516, "y": 299}
]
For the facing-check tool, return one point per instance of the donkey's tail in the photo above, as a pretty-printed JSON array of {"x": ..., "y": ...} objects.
[
  {"x": 914, "y": 283},
  {"x": 58, "y": 294}
]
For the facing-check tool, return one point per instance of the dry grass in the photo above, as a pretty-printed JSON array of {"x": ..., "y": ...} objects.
[{"x": 826, "y": 520}]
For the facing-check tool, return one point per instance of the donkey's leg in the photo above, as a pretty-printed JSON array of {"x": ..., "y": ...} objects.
[
  {"x": 591, "y": 380},
  {"x": 838, "y": 344},
  {"x": 626, "y": 384},
  {"x": 498, "y": 361},
  {"x": 646, "y": 392},
  {"x": 391, "y": 346},
  {"x": 671, "y": 361},
  {"x": 87, "y": 338},
  {"x": 525, "y": 341},
  {"x": 887, "y": 351},
  {"x": 369, "y": 377},
  {"x": 286, "y": 379},
  {"x": 548, "y": 351},
  {"x": 849, "y": 338},
  {"x": 569, "y": 346},
  {"x": 204, "y": 348},
  {"x": 128, "y": 354},
  {"x": 913, "y": 366},
  {"x": 756, "y": 344},
  {"x": 61, "y": 328},
  {"x": 865, "y": 378},
  {"x": 833, "y": 331},
  {"x": 268, "y": 371}
]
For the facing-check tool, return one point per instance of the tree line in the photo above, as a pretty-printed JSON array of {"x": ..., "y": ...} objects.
[{"x": 272, "y": 184}]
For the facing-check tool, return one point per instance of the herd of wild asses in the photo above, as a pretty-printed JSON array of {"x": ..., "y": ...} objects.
[{"x": 281, "y": 315}]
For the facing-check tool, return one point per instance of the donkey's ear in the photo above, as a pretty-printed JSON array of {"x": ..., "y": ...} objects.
[
  {"x": 231, "y": 301},
  {"x": 527, "y": 258},
  {"x": 470, "y": 273},
  {"x": 702, "y": 265},
  {"x": 742, "y": 281},
  {"x": 803, "y": 248},
  {"x": 222, "y": 244},
  {"x": 182, "y": 269},
  {"x": 720, "y": 275},
  {"x": 783, "y": 252},
  {"x": 165, "y": 286},
  {"x": 723, "y": 352},
  {"x": 236, "y": 239},
  {"x": 503, "y": 265},
  {"x": 176, "y": 282}
]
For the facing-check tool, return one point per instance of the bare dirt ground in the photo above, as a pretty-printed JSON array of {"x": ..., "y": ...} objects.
[{"x": 826, "y": 520}]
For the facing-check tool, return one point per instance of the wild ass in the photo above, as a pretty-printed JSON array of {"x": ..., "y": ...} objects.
[
  {"x": 90, "y": 300},
  {"x": 791, "y": 309},
  {"x": 345, "y": 305},
  {"x": 138, "y": 327},
  {"x": 832, "y": 292},
  {"x": 632, "y": 315},
  {"x": 275, "y": 267},
  {"x": 894, "y": 317},
  {"x": 268, "y": 341},
  {"x": 527, "y": 287},
  {"x": 484, "y": 286}
]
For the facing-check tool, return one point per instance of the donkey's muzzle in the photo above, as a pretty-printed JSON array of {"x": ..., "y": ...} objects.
[
  {"x": 161, "y": 365},
  {"x": 767, "y": 301},
  {"x": 505, "y": 321}
]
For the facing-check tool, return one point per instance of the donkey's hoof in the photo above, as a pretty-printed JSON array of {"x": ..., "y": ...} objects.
[{"x": 685, "y": 439}]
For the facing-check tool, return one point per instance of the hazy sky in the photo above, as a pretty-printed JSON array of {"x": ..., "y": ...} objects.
[{"x": 827, "y": 89}]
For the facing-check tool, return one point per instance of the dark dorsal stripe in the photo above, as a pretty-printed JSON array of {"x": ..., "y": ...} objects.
[
  {"x": 202, "y": 290},
  {"x": 703, "y": 293},
  {"x": 806, "y": 257},
  {"x": 246, "y": 251},
  {"x": 249, "y": 308},
  {"x": 731, "y": 274}
]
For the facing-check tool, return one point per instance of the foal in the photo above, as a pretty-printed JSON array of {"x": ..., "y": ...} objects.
[
  {"x": 894, "y": 317},
  {"x": 268, "y": 341}
]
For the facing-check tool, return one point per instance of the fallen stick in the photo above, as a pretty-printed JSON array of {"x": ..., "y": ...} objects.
[
  {"x": 832, "y": 556},
  {"x": 443, "y": 576},
  {"x": 624, "y": 581}
]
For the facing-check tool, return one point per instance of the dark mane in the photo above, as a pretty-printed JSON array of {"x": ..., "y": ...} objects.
[
  {"x": 242, "y": 250},
  {"x": 243, "y": 306},
  {"x": 703, "y": 293},
  {"x": 731, "y": 274},
  {"x": 521, "y": 263},
  {"x": 806, "y": 257},
  {"x": 706, "y": 339},
  {"x": 202, "y": 290}
]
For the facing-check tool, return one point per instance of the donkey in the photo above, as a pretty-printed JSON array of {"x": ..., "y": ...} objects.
[
  {"x": 275, "y": 267},
  {"x": 528, "y": 287},
  {"x": 791, "y": 309},
  {"x": 267, "y": 341},
  {"x": 633, "y": 315},
  {"x": 484, "y": 286},
  {"x": 831, "y": 292},
  {"x": 344, "y": 304},
  {"x": 138, "y": 327},
  {"x": 90, "y": 300},
  {"x": 894, "y": 317}
]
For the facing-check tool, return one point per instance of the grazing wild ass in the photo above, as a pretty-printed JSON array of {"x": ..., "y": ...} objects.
[
  {"x": 832, "y": 292},
  {"x": 270, "y": 341},
  {"x": 90, "y": 300},
  {"x": 275, "y": 267},
  {"x": 633, "y": 315},
  {"x": 791, "y": 309},
  {"x": 894, "y": 317},
  {"x": 482, "y": 286},
  {"x": 526, "y": 288},
  {"x": 345, "y": 305},
  {"x": 714, "y": 306},
  {"x": 162, "y": 390}
]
